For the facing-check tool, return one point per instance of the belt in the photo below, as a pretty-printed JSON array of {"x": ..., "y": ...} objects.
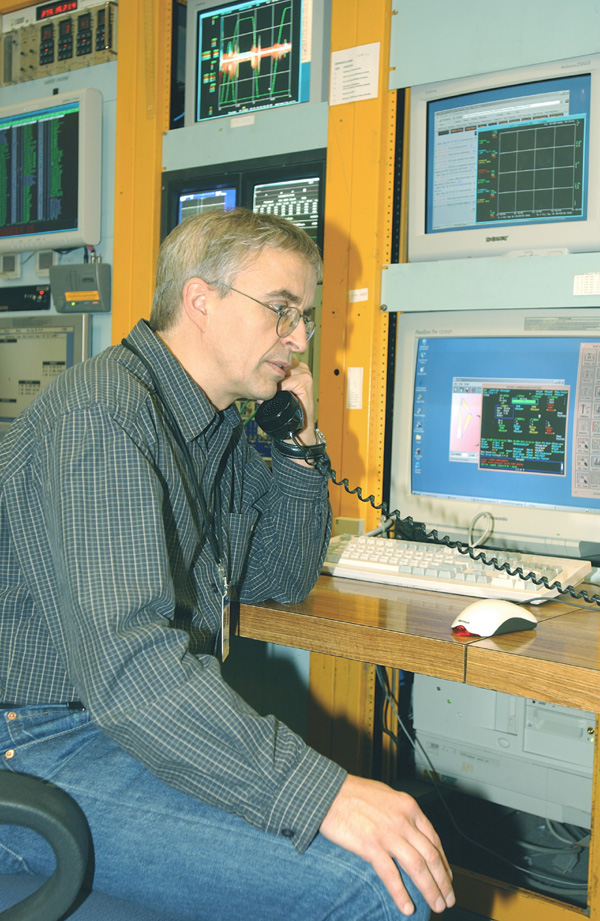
[{"x": 71, "y": 705}]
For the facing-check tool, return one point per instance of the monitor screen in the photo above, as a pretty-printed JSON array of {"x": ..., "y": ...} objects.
[
  {"x": 297, "y": 200},
  {"x": 291, "y": 186},
  {"x": 251, "y": 54},
  {"x": 200, "y": 200},
  {"x": 33, "y": 351},
  {"x": 50, "y": 172},
  {"x": 499, "y": 412},
  {"x": 500, "y": 163}
]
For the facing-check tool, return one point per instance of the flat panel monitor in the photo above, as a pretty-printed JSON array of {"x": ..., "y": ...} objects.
[
  {"x": 250, "y": 55},
  {"x": 50, "y": 172},
  {"x": 503, "y": 163},
  {"x": 34, "y": 351},
  {"x": 498, "y": 412}
]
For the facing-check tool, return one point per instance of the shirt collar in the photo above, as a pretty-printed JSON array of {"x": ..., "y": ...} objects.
[{"x": 192, "y": 409}]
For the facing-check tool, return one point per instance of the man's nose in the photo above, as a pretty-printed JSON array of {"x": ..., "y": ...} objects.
[{"x": 297, "y": 338}]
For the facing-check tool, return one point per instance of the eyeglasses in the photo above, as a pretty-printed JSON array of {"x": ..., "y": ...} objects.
[{"x": 288, "y": 317}]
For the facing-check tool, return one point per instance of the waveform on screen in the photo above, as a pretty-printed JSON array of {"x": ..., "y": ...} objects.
[
  {"x": 253, "y": 46},
  {"x": 233, "y": 57}
]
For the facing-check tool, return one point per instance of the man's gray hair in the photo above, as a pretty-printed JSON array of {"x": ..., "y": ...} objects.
[{"x": 215, "y": 246}]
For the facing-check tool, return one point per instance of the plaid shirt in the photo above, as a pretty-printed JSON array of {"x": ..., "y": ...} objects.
[{"x": 109, "y": 590}]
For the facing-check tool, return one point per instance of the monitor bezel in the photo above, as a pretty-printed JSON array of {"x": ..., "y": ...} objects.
[
  {"x": 89, "y": 184},
  {"x": 502, "y": 239},
  {"x": 301, "y": 84},
  {"x": 316, "y": 42},
  {"x": 561, "y": 533}
]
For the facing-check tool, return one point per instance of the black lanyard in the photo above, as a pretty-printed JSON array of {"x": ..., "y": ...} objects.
[{"x": 187, "y": 459}]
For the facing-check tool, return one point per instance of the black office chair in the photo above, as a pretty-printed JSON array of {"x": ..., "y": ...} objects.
[
  {"x": 33, "y": 803},
  {"x": 36, "y": 804}
]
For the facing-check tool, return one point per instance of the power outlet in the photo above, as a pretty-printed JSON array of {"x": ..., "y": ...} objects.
[
  {"x": 10, "y": 265},
  {"x": 348, "y": 526}
]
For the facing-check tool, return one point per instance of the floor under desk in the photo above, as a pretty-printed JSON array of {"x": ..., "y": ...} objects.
[{"x": 357, "y": 623}]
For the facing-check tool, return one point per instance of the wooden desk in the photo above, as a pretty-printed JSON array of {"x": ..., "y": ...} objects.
[
  {"x": 342, "y": 617},
  {"x": 402, "y": 628},
  {"x": 560, "y": 662}
]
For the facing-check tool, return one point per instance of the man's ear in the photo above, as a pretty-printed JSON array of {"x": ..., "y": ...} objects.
[{"x": 195, "y": 293}]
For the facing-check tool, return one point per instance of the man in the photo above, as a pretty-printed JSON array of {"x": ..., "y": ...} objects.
[{"x": 129, "y": 502}]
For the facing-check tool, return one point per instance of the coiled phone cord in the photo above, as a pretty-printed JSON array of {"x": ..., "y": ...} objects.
[
  {"x": 418, "y": 533},
  {"x": 282, "y": 416}
]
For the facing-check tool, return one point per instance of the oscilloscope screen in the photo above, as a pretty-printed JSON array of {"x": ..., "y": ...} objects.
[{"x": 251, "y": 55}]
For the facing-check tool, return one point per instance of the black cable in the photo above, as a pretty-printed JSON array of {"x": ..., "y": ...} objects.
[
  {"x": 325, "y": 468},
  {"x": 538, "y": 875},
  {"x": 173, "y": 426}
]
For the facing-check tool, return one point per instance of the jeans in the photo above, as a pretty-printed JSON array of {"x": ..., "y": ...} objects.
[{"x": 168, "y": 851}]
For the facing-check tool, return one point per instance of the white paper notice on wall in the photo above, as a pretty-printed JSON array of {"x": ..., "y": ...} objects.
[
  {"x": 354, "y": 74},
  {"x": 354, "y": 392},
  {"x": 586, "y": 284},
  {"x": 358, "y": 294}
]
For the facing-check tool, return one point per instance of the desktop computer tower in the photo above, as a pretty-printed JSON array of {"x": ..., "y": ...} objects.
[{"x": 526, "y": 754}]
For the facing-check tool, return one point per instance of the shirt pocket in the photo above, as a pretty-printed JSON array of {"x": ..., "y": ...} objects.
[{"x": 241, "y": 527}]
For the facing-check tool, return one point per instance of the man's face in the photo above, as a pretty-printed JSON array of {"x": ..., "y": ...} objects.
[{"x": 250, "y": 359}]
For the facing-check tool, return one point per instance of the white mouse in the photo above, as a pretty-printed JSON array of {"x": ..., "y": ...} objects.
[{"x": 492, "y": 616}]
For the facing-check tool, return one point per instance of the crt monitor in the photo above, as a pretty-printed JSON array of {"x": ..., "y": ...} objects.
[
  {"x": 297, "y": 200},
  {"x": 33, "y": 351},
  {"x": 248, "y": 55},
  {"x": 50, "y": 172},
  {"x": 498, "y": 412},
  {"x": 503, "y": 163},
  {"x": 291, "y": 186},
  {"x": 191, "y": 191},
  {"x": 196, "y": 201}
]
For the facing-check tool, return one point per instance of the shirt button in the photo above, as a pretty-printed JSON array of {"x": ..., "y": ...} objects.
[
  {"x": 11, "y": 716},
  {"x": 287, "y": 832},
  {"x": 10, "y": 753}
]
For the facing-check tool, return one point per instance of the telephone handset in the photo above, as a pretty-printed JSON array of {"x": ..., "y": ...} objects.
[{"x": 282, "y": 418}]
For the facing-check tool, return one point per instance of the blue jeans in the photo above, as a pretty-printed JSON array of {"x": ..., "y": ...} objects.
[{"x": 170, "y": 852}]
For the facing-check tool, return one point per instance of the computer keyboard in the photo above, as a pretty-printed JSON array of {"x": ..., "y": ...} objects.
[{"x": 435, "y": 567}]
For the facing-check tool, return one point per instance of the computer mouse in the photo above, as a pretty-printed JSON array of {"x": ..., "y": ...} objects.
[{"x": 492, "y": 616}]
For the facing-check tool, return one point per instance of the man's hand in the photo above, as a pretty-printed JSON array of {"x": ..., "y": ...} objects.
[{"x": 378, "y": 823}]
